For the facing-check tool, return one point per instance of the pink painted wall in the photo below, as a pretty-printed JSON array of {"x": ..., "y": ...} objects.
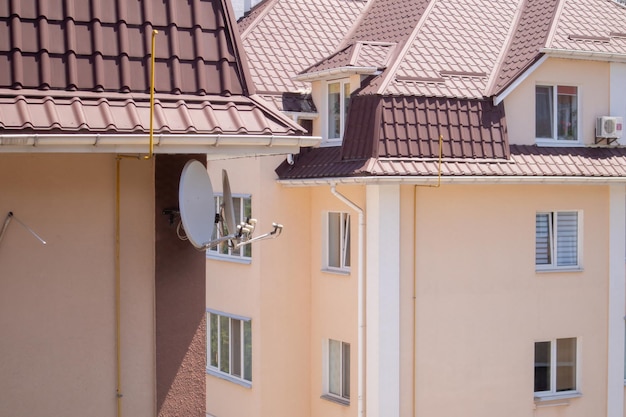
[{"x": 57, "y": 309}]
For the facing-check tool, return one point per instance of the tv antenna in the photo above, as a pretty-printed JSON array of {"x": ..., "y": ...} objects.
[{"x": 198, "y": 212}]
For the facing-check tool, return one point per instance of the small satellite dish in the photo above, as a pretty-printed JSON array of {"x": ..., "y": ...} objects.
[
  {"x": 229, "y": 208},
  {"x": 197, "y": 204}
]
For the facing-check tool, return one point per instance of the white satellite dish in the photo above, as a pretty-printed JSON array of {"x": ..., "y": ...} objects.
[
  {"x": 196, "y": 203},
  {"x": 229, "y": 208}
]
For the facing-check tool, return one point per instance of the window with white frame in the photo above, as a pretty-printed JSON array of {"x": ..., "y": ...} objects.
[
  {"x": 229, "y": 347},
  {"x": 243, "y": 211},
  {"x": 337, "y": 103},
  {"x": 556, "y": 113},
  {"x": 337, "y": 384},
  {"x": 338, "y": 241},
  {"x": 556, "y": 363},
  {"x": 557, "y": 237}
]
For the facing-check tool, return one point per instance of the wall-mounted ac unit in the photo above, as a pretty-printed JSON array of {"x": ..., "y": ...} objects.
[{"x": 609, "y": 127}]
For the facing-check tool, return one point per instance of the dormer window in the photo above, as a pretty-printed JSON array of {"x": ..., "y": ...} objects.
[
  {"x": 337, "y": 101},
  {"x": 556, "y": 114}
]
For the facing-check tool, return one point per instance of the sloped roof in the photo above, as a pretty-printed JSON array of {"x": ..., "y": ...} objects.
[
  {"x": 84, "y": 67},
  {"x": 472, "y": 50},
  {"x": 283, "y": 37},
  {"x": 525, "y": 162},
  {"x": 410, "y": 126}
]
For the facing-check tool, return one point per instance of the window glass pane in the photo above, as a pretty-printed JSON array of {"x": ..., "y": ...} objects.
[
  {"x": 346, "y": 240},
  {"x": 334, "y": 367},
  {"x": 334, "y": 240},
  {"x": 235, "y": 347},
  {"x": 567, "y": 113},
  {"x": 542, "y": 366},
  {"x": 213, "y": 347},
  {"x": 334, "y": 111},
  {"x": 247, "y": 351},
  {"x": 566, "y": 364},
  {"x": 544, "y": 113},
  {"x": 345, "y": 371},
  {"x": 543, "y": 249},
  {"x": 224, "y": 344},
  {"x": 567, "y": 238}
]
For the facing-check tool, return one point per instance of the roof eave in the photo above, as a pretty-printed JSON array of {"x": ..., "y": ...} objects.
[
  {"x": 215, "y": 145},
  {"x": 333, "y": 72},
  {"x": 586, "y": 55},
  {"x": 433, "y": 180}
]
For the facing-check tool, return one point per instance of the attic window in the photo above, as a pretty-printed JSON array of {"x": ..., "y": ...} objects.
[{"x": 337, "y": 102}]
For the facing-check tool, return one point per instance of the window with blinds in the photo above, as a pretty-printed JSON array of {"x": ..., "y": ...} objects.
[{"x": 557, "y": 240}]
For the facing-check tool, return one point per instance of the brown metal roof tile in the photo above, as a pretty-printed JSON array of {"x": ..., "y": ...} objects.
[{"x": 380, "y": 126}]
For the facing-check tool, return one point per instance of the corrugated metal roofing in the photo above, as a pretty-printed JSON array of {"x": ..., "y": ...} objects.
[
  {"x": 524, "y": 162},
  {"x": 282, "y": 37},
  {"x": 410, "y": 126},
  {"x": 84, "y": 66},
  {"x": 105, "y": 46},
  {"x": 213, "y": 115}
]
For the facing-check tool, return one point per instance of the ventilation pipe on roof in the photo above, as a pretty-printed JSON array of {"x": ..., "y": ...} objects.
[{"x": 360, "y": 300}]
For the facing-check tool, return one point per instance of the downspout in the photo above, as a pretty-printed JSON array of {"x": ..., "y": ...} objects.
[{"x": 360, "y": 300}]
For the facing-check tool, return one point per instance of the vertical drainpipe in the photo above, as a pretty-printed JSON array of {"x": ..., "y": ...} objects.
[{"x": 360, "y": 300}]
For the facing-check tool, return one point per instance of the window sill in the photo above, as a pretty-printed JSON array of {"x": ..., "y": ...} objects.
[
  {"x": 228, "y": 258},
  {"x": 341, "y": 401},
  {"x": 553, "y": 400},
  {"x": 559, "y": 143},
  {"x": 226, "y": 377},
  {"x": 336, "y": 271},
  {"x": 558, "y": 269}
]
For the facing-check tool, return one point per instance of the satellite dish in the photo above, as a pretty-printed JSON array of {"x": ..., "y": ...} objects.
[
  {"x": 229, "y": 208},
  {"x": 197, "y": 204}
]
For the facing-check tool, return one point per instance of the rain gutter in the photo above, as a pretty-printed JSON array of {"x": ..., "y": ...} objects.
[
  {"x": 433, "y": 180},
  {"x": 163, "y": 143}
]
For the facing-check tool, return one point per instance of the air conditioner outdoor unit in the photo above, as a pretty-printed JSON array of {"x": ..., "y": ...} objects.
[{"x": 609, "y": 127}]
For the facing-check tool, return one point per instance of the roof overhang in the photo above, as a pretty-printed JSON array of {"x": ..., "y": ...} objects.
[
  {"x": 336, "y": 72},
  {"x": 433, "y": 181},
  {"x": 586, "y": 55},
  {"x": 214, "y": 145}
]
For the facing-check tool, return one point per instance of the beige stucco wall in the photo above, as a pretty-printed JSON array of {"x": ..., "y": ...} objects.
[
  {"x": 277, "y": 302},
  {"x": 481, "y": 305},
  {"x": 57, "y": 309},
  {"x": 592, "y": 79}
]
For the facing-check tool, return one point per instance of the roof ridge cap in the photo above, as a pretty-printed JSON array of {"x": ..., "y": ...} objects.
[
  {"x": 259, "y": 17},
  {"x": 408, "y": 42},
  {"x": 554, "y": 23},
  {"x": 497, "y": 67}
]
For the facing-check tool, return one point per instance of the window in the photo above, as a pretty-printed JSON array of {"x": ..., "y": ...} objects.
[
  {"x": 229, "y": 348},
  {"x": 338, "y": 100},
  {"x": 555, "y": 367},
  {"x": 243, "y": 211},
  {"x": 556, "y": 123},
  {"x": 557, "y": 237},
  {"x": 338, "y": 371},
  {"x": 338, "y": 239}
]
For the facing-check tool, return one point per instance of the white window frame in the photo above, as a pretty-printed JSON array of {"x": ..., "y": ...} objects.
[
  {"x": 553, "y": 240},
  {"x": 554, "y": 139},
  {"x": 343, "y": 246},
  {"x": 340, "y": 397},
  {"x": 343, "y": 84},
  {"x": 552, "y": 393},
  {"x": 215, "y": 368},
  {"x": 223, "y": 251}
]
